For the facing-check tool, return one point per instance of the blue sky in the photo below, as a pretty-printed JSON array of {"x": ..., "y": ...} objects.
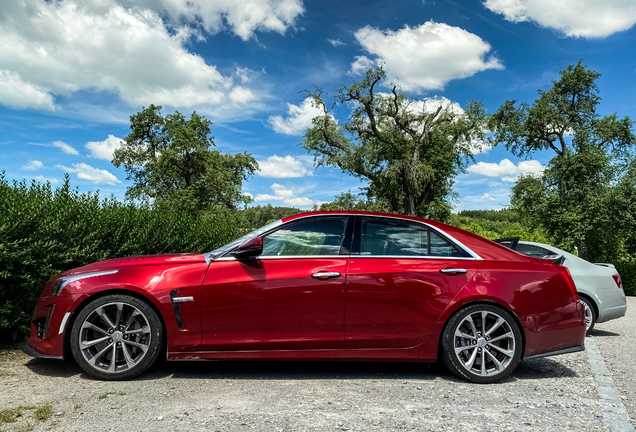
[{"x": 72, "y": 72}]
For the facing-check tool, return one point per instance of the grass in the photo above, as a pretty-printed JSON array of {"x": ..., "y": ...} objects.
[
  {"x": 44, "y": 412},
  {"x": 10, "y": 415},
  {"x": 105, "y": 395}
]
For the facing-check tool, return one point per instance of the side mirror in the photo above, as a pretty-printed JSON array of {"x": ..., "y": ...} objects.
[{"x": 250, "y": 248}]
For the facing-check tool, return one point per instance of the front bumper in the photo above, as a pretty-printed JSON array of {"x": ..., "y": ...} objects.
[
  {"x": 49, "y": 324},
  {"x": 34, "y": 352}
]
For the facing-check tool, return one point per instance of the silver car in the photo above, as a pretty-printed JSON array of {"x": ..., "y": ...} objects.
[{"x": 599, "y": 285}]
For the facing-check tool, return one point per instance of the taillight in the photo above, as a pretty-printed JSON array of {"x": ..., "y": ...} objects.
[
  {"x": 568, "y": 278},
  {"x": 617, "y": 279}
]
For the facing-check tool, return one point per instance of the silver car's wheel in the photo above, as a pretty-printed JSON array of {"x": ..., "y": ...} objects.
[
  {"x": 116, "y": 337},
  {"x": 590, "y": 314},
  {"x": 482, "y": 343}
]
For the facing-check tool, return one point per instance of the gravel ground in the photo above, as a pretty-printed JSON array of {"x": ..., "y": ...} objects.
[
  {"x": 550, "y": 394},
  {"x": 616, "y": 341}
]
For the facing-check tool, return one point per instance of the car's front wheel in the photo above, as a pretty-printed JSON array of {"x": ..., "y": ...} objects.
[
  {"x": 116, "y": 337},
  {"x": 481, "y": 343}
]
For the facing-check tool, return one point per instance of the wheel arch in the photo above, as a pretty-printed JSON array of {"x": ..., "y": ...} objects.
[
  {"x": 592, "y": 301},
  {"x": 459, "y": 306},
  {"x": 67, "y": 354}
]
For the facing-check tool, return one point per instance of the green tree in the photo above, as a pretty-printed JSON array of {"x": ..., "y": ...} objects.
[
  {"x": 584, "y": 199},
  {"x": 349, "y": 201},
  {"x": 408, "y": 153},
  {"x": 170, "y": 162}
]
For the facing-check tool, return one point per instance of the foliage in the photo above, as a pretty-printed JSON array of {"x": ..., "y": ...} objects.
[
  {"x": 44, "y": 232},
  {"x": 585, "y": 199},
  {"x": 567, "y": 110},
  {"x": 170, "y": 163},
  {"x": 258, "y": 216},
  {"x": 493, "y": 224},
  {"x": 348, "y": 201},
  {"x": 627, "y": 271},
  {"x": 408, "y": 153}
]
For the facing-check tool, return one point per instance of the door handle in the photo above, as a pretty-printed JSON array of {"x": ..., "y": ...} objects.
[
  {"x": 453, "y": 271},
  {"x": 325, "y": 275}
]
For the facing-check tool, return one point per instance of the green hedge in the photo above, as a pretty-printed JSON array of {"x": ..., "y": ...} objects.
[
  {"x": 628, "y": 276},
  {"x": 44, "y": 232}
]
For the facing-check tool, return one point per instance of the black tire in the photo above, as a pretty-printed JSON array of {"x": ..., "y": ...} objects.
[
  {"x": 590, "y": 314},
  {"x": 135, "y": 340},
  {"x": 463, "y": 353}
]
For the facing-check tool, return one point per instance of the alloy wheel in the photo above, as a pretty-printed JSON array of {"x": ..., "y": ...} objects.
[
  {"x": 115, "y": 337},
  {"x": 485, "y": 343}
]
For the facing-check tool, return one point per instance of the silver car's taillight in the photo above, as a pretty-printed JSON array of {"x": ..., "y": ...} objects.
[{"x": 617, "y": 279}]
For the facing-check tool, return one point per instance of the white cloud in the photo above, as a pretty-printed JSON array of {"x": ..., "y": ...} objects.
[
  {"x": 247, "y": 194},
  {"x": 104, "y": 149},
  {"x": 479, "y": 146},
  {"x": 428, "y": 56},
  {"x": 43, "y": 179},
  {"x": 65, "y": 147},
  {"x": 137, "y": 50},
  {"x": 87, "y": 172},
  {"x": 336, "y": 42},
  {"x": 15, "y": 93},
  {"x": 283, "y": 167},
  {"x": 487, "y": 197},
  {"x": 287, "y": 196},
  {"x": 298, "y": 120},
  {"x": 360, "y": 65},
  {"x": 33, "y": 165},
  {"x": 243, "y": 17},
  {"x": 506, "y": 169},
  {"x": 241, "y": 95},
  {"x": 576, "y": 18}
]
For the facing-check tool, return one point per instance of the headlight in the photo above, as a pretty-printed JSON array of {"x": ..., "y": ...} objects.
[{"x": 59, "y": 284}]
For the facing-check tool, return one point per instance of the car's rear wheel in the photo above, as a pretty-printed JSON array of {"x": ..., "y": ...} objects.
[
  {"x": 481, "y": 343},
  {"x": 590, "y": 314},
  {"x": 116, "y": 337}
]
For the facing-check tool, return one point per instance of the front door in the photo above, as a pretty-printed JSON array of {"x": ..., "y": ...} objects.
[{"x": 291, "y": 297}]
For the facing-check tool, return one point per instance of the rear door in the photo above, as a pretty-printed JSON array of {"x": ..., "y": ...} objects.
[{"x": 401, "y": 276}]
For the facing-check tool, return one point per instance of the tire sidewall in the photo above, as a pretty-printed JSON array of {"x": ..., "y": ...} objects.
[
  {"x": 153, "y": 350},
  {"x": 594, "y": 317},
  {"x": 449, "y": 357}
]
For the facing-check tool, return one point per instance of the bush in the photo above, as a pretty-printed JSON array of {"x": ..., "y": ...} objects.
[
  {"x": 44, "y": 232},
  {"x": 628, "y": 276}
]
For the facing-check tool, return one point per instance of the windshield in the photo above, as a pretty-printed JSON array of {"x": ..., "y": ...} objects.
[{"x": 211, "y": 256}]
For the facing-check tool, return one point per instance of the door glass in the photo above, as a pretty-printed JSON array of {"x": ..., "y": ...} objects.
[
  {"x": 387, "y": 237},
  {"x": 442, "y": 248},
  {"x": 313, "y": 237}
]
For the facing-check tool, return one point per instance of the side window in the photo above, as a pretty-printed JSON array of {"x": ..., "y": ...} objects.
[
  {"x": 388, "y": 237},
  {"x": 313, "y": 237},
  {"x": 442, "y": 248}
]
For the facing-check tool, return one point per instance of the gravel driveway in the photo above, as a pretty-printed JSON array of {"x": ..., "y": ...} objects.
[{"x": 569, "y": 392}]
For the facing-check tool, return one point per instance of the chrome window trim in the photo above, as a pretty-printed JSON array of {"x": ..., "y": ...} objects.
[
  {"x": 473, "y": 255},
  {"x": 450, "y": 237},
  {"x": 348, "y": 257}
]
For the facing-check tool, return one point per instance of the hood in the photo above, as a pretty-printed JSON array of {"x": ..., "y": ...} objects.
[{"x": 145, "y": 260}]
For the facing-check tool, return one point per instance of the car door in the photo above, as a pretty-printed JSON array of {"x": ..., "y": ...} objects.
[
  {"x": 401, "y": 277},
  {"x": 290, "y": 297}
]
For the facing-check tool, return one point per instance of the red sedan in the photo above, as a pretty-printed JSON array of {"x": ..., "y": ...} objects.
[{"x": 321, "y": 285}]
